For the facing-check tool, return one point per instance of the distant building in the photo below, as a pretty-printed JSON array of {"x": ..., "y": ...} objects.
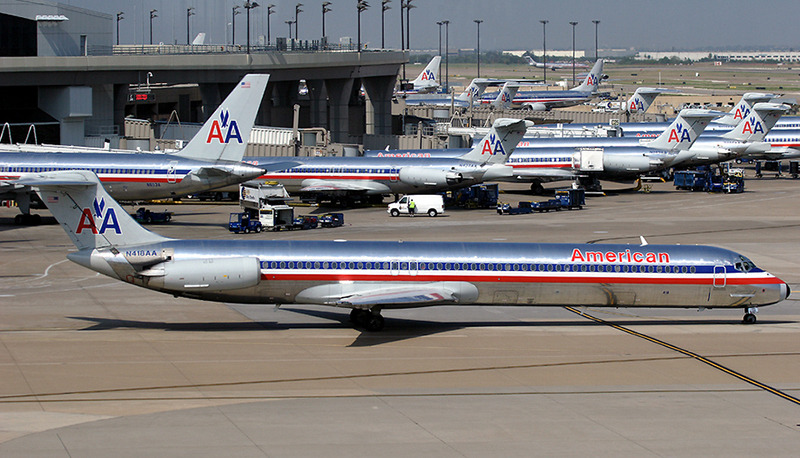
[
  {"x": 730, "y": 56},
  {"x": 46, "y": 29}
]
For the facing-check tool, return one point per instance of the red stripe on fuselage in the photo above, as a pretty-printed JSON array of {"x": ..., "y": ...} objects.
[{"x": 502, "y": 278}]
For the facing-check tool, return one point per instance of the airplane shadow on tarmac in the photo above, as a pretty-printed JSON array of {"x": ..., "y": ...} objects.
[{"x": 397, "y": 329}]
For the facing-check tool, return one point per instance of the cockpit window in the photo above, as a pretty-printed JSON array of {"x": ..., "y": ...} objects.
[{"x": 744, "y": 264}]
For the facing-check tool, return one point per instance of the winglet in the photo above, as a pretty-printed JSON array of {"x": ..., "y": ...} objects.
[{"x": 226, "y": 133}]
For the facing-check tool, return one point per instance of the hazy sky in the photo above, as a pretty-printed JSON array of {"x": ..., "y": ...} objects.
[{"x": 508, "y": 24}]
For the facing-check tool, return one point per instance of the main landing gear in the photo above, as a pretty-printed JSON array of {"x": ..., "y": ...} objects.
[
  {"x": 750, "y": 315},
  {"x": 371, "y": 320}
]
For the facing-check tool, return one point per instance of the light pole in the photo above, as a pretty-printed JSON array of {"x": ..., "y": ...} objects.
[
  {"x": 248, "y": 5},
  {"x": 595, "y": 22},
  {"x": 297, "y": 12},
  {"x": 446, "y": 55},
  {"x": 402, "y": 36},
  {"x": 384, "y": 7},
  {"x": 270, "y": 10},
  {"x": 408, "y": 24},
  {"x": 544, "y": 49},
  {"x": 360, "y": 6},
  {"x": 234, "y": 12},
  {"x": 478, "y": 21},
  {"x": 152, "y": 15},
  {"x": 119, "y": 18},
  {"x": 189, "y": 13},
  {"x": 325, "y": 9},
  {"x": 289, "y": 23},
  {"x": 439, "y": 23},
  {"x": 573, "y": 24}
]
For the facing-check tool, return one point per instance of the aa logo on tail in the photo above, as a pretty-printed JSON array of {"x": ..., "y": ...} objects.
[
  {"x": 636, "y": 105},
  {"x": 229, "y": 126},
  {"x": 107, "y": 215},
  {"x": 679, "y": 134},
  {"x": 741, "y": 112},
  {"x": 428, "y": 75},
  {"x": 491, "y": 145},
  {"x": 752, "y": 126},
  {"x": 592, "y": 80}
]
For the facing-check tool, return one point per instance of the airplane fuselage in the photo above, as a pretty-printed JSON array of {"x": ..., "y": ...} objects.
[
  {"x": 372, "y": 175},
  {"x": 321, "y": 272},
  {"x": 130, "y": 176}
]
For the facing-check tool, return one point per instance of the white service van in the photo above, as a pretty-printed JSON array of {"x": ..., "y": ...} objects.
[{"x": 430, "y": 204}]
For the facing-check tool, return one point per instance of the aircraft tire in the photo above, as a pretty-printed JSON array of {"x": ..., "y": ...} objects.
[
  {"x": 374, "y": 323},
  {"x": 359, "y": 317},
  {"x": 749, "y": 318}
]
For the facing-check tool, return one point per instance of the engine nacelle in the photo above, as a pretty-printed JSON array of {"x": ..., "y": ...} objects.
[
  {"x": 537, "y": 106},
  {"x": 201, "y": 275},
  {"x": 629, "y": 164},
  {"x": 424, "y": 176}
]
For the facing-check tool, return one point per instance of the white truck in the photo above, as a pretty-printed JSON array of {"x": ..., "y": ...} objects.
[
  {"x": 430, "y": 204},
  {"x": 267, "y": 204}
]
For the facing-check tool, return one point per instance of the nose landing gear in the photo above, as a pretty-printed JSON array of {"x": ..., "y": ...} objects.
[{"x": 750, "y": 315}]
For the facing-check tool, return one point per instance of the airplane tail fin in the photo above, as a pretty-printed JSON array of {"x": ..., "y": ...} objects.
[
  {"x": 474, "y": 90},
  {"x": 756, "y": 126},
  {"x": 531, "y": 60},
  {"x": 88, "y": 214},
  {"x": 506, "y": 95},
  {"x": 641, "y": 100},
  {"x": 742, "y": 109},
  {"x": 592, "y": 81},
  {"x": 499, "y": 143},
  {"x": 226, "y": 133},
  {"x": 684, "y": 130},
  {"x": 429, "y": 78}
]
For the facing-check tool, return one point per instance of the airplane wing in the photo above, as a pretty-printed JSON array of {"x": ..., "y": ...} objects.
[
  {"x": 317, "y": 185},
  {"x": 368, "y": 296}
]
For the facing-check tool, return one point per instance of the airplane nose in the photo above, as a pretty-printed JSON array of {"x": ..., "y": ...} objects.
[{"x": 785, "y": 291}]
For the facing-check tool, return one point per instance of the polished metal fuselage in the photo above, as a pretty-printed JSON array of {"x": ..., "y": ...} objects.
[
  {"x": 478, "y": 273},
  {"x": 132, "y": 176}
]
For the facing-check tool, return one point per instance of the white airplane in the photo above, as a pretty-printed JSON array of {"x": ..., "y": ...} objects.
[
  {"x": 368, "y": 277},
  {"x": 552, "y": 65},
  {"x": 428, "y": 79},
  {"x": 212, "y": 158}
]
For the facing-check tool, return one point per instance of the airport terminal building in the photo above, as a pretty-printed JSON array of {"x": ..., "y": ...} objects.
[{"x": 61, "y": 71}]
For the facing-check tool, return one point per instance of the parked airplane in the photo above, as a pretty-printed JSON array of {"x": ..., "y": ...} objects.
[
  {"x": 346, "y": 178},
  {"x": 427, "y": 80},
  {"x": 212, "y": 158},
  {"x": 546, "y": 100},
  {"x": 591, "y": 162},
  {"x": 368, "y": 277},
  {"x": 472, "y": 94},
  {"x": 552, "y": 65},
  {"x": 642, "y": 98}
]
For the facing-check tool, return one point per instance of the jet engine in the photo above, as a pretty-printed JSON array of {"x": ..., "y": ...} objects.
[
  {"x": 202, "y": 275},
  {"x": 424, "y": 176},
  {"x": 537, "y": 106},
  {"x": 630, "y": 164}
]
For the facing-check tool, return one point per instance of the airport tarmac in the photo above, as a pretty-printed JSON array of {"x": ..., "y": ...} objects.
[{"x": 96, "y": 367}]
